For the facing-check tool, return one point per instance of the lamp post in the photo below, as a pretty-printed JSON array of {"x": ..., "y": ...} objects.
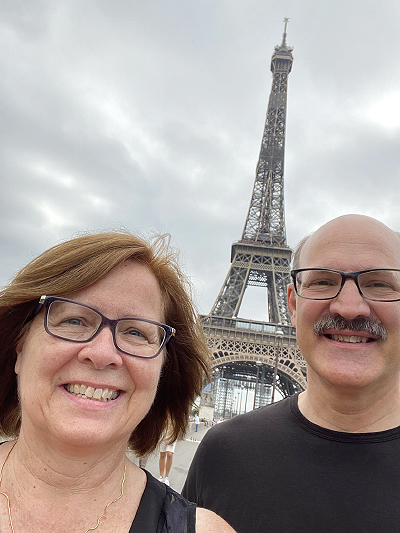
[
  {"x": 279, "y": 335},
  {"x": 241, "y": 394},
  {"x": 247, "y": 392},
  {"x": 258, "y": 363},
  {"x": 225, "y": 396}
]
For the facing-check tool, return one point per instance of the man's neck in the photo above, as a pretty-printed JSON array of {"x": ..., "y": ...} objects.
[{"x": 351, "y": 411}]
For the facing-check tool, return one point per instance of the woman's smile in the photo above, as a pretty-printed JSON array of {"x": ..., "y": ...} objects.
[{"x": 93, "y": 393}]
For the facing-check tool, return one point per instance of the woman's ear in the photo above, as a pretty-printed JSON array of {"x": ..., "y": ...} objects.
[{"x": 18, "y": 350}]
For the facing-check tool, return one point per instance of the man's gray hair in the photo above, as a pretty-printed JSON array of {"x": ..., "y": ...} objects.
[{"x": 297, "y": 252}]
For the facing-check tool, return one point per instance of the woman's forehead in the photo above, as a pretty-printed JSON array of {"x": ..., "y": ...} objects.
[{"x": 129, "y": 287}]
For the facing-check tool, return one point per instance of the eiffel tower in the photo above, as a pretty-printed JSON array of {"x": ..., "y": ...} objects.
[{"x": 252, "y": 356}]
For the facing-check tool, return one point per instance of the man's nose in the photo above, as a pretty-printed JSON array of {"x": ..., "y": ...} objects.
[{"x": 350, "y": 303}]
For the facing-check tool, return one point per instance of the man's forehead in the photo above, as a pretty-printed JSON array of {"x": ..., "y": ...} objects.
[{"x": 359, "y": 237}]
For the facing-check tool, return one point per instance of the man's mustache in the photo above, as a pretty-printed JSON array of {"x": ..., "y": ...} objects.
[{"x": 365, "y": 324}]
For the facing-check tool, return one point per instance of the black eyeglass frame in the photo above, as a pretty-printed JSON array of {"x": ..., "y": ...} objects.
[
  {"x": 46, "y": 301},
  {"x": 345, "y": 276}
]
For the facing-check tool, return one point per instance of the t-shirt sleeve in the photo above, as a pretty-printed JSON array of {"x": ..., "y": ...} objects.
[
  {"x": 189, "y": 490},
  {"x": 197, "y": 484}
]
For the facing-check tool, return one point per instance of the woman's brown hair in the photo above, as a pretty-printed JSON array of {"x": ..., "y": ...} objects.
[{"x": 80, "y": 262}]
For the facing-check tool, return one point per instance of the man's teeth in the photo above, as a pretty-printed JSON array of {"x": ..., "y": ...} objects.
[
  {"x": 82, "y": 391},
  {"x": 348, "y": 338}
]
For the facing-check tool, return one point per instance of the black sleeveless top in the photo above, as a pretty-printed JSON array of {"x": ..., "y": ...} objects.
[{"x": 162, "y": 510}]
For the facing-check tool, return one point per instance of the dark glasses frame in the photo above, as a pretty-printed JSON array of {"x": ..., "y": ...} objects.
[
  {"x": 345, "y": 276},
  {"x": 46, "y": 301}
]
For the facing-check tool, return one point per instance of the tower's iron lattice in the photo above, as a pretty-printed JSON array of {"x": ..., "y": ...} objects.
[{"x": 259, "y": 355}]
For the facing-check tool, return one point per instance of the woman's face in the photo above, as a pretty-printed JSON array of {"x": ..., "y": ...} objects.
[{"x": 49, "y": 367}]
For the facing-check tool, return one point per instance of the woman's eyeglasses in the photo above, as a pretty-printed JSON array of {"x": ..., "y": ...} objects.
[{"x": 77, "y": 322}]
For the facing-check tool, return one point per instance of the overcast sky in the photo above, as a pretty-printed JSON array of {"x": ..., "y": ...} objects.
[{"x": 149, "y": 115}]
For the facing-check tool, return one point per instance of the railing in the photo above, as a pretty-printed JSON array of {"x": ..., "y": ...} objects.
[{"x": 247, "y": 325}]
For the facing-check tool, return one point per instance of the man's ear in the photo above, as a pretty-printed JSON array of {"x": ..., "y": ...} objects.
[{"x": 291, "y": 298}]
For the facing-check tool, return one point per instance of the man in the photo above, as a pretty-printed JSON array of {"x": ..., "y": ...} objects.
[{"x": 327, "y": 460}]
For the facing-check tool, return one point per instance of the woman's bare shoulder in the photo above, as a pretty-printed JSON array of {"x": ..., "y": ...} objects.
[{"x": 209, "y": 522}]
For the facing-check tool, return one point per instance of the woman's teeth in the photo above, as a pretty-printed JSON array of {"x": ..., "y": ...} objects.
[{"x": 82, "y": 391}]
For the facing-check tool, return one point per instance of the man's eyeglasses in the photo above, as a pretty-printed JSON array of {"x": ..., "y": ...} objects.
[
  {"x": 76, "y": 322},
  {"x": 379, "y": 285}
]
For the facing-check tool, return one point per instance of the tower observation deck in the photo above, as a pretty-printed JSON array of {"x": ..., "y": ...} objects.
[{"x": 253, "y": 357}]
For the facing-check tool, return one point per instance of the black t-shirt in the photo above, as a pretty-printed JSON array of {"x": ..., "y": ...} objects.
[{"x": 271, "y": 470}]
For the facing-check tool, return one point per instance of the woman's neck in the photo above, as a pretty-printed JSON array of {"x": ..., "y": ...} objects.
[
  {"x": 66, "y": 469},
  {"x": 54, "y": 491}
]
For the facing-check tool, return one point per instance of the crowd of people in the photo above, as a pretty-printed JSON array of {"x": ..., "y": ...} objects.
[{"x": 103, "y": 351}]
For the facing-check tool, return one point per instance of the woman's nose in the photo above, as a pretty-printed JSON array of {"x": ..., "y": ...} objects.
[{"x": 101, "y": 351}]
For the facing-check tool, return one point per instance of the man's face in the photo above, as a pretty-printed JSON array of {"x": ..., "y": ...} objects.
[{"x": 349, "y": 243}]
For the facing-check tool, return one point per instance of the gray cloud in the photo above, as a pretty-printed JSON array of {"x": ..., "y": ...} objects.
[{"x": 149, "y": 115}]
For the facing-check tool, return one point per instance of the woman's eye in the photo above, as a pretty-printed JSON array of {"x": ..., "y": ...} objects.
[
  {"x": 73, "y": 321},
  {"x": 136, "y": 333}
]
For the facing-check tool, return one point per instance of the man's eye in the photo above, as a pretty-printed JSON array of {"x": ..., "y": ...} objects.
[
  {"x": 380, "y": 285},
  {"x": 321, "y": 283}
]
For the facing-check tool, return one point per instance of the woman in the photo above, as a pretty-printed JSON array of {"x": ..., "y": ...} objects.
[
  {"x": 167, "y": 449},
  {"x": 100, "y": 347}
]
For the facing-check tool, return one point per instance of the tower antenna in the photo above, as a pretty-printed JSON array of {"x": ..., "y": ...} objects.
[{"x": 285, "y": 20}]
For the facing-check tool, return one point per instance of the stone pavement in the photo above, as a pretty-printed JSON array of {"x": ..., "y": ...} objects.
[{"x": 183, "y": 455}]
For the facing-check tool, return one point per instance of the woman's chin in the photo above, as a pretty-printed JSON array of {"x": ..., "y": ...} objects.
[{"x": 84, "y": 436}]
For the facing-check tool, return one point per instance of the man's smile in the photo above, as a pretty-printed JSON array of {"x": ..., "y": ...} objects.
[{"x": 349, "y": 338}]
